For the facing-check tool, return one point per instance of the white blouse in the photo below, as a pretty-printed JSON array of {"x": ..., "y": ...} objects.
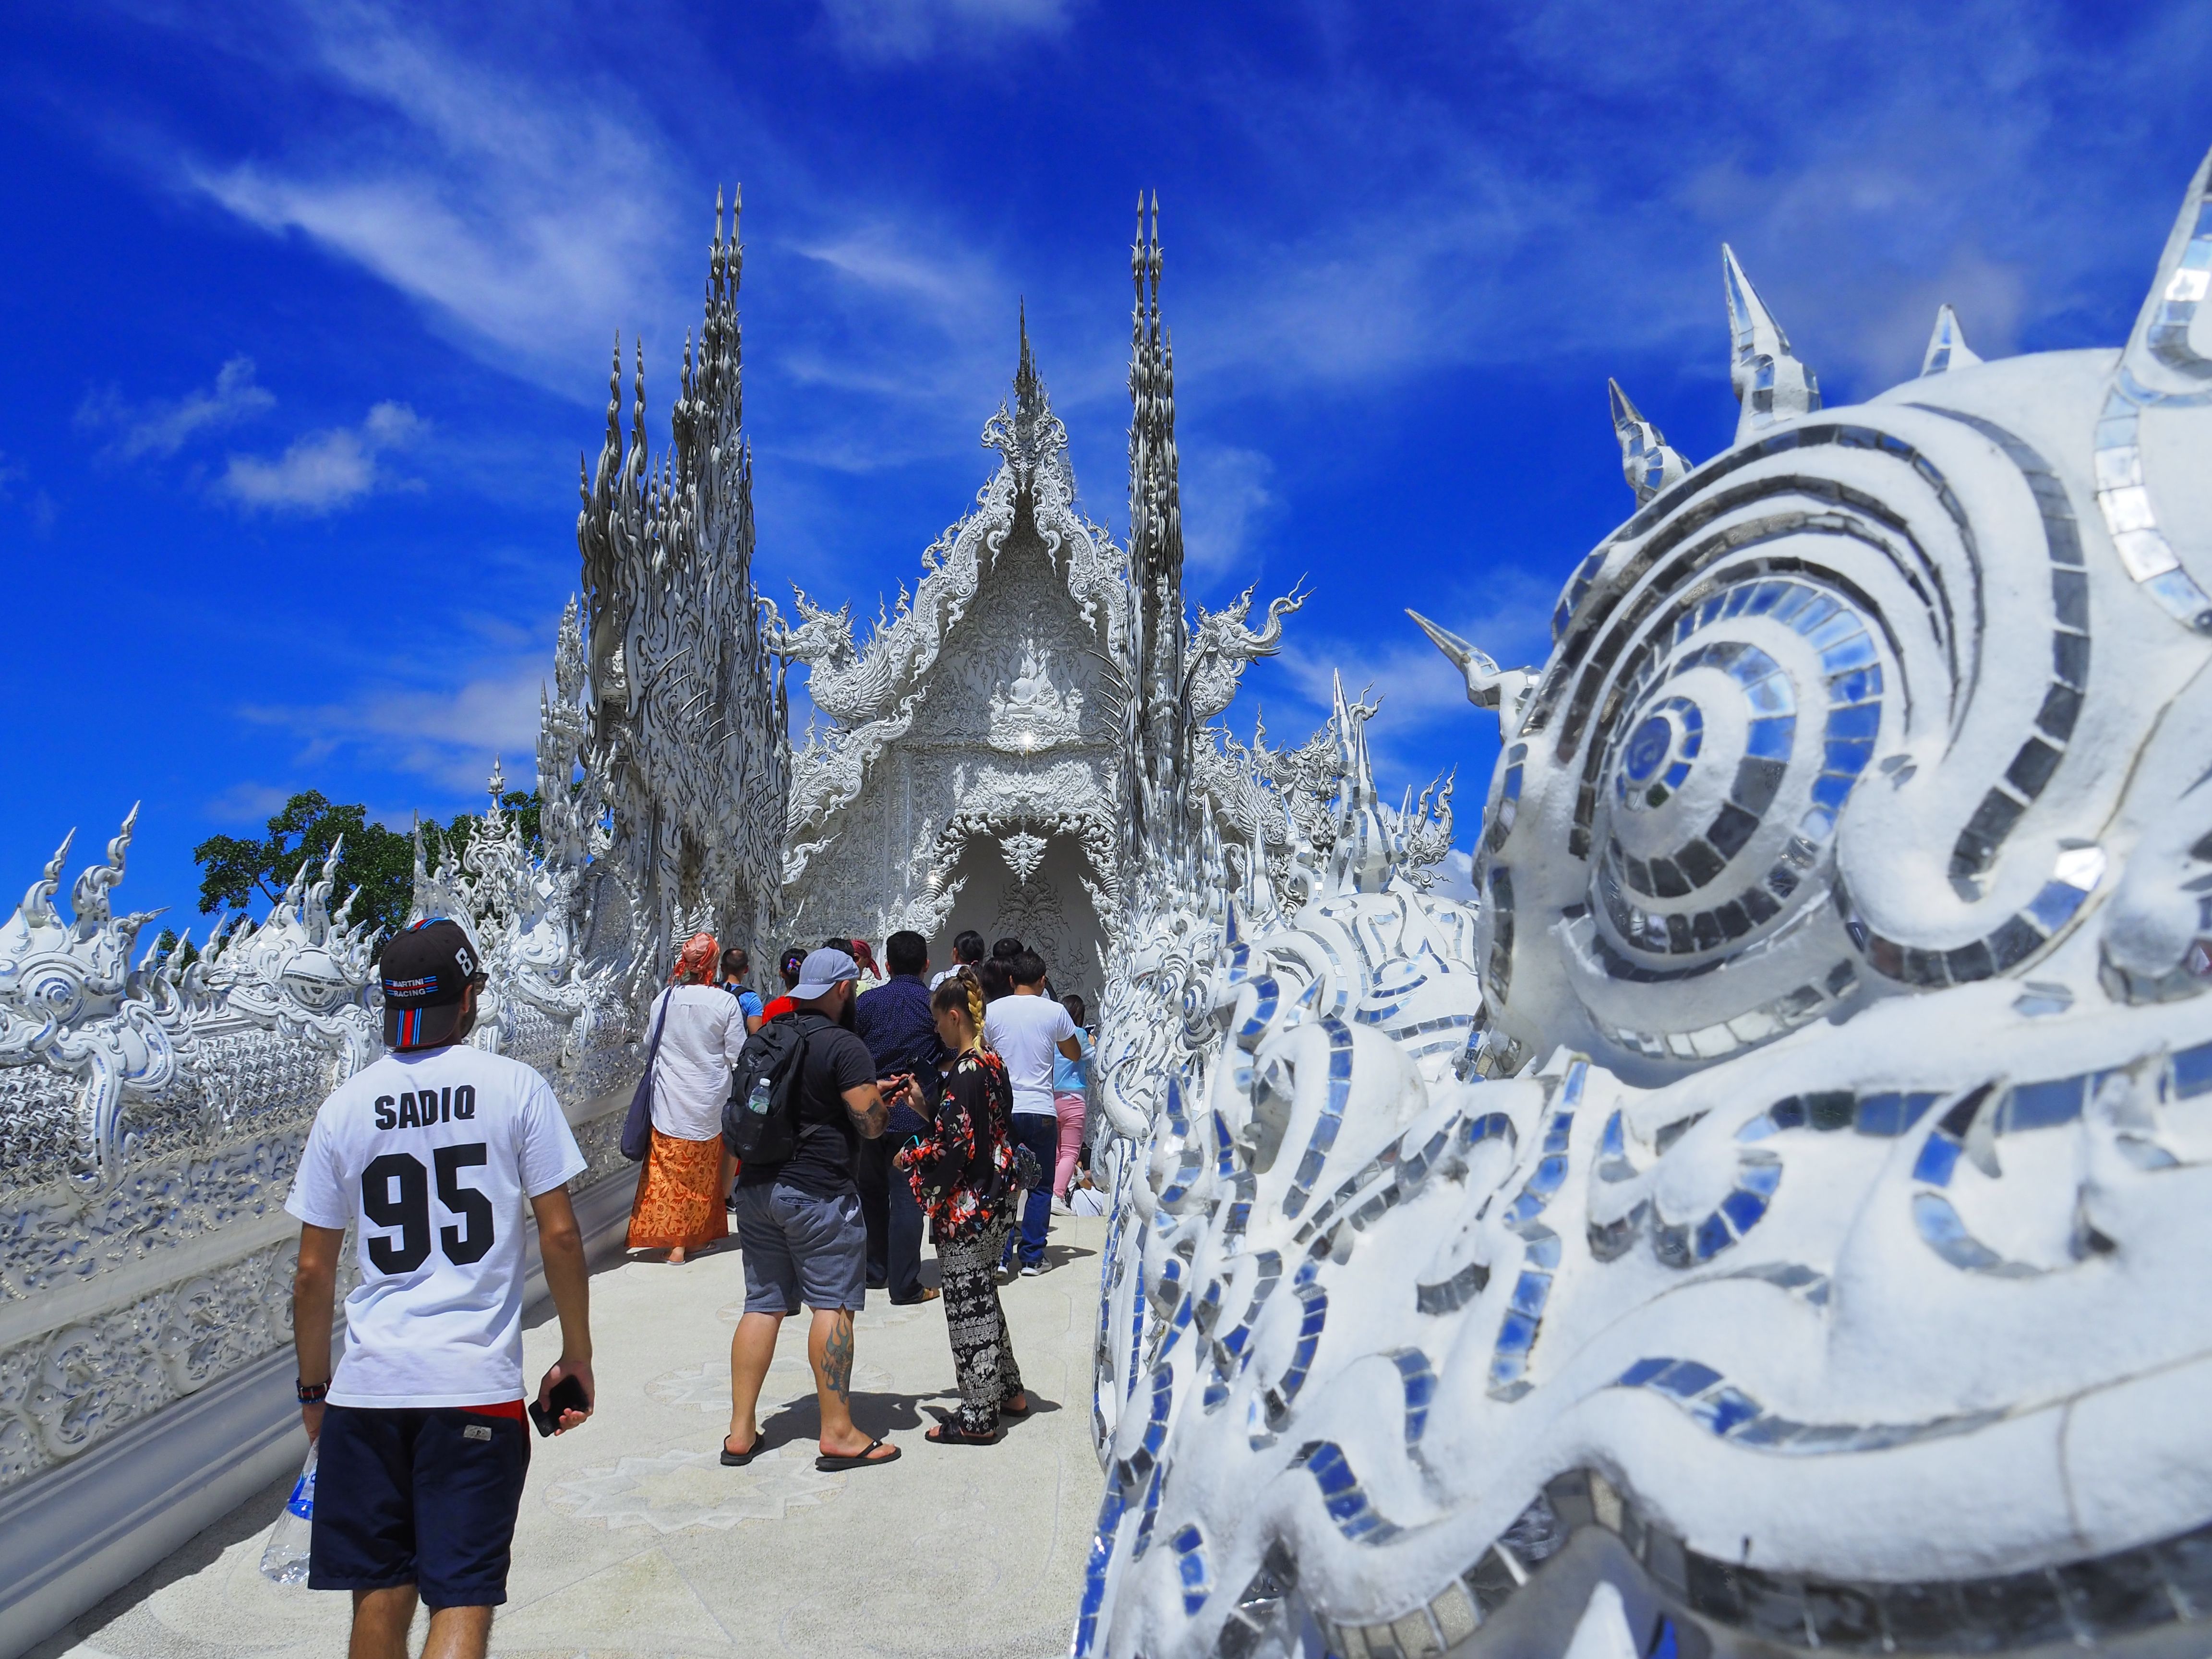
[{"x": 699, "y": 1045}]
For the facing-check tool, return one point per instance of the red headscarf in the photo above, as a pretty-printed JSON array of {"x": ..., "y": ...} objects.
[{"x": 697, "y": 963}]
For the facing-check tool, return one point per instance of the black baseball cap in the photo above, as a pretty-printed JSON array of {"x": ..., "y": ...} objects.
[{"x": 427, "y": 972}]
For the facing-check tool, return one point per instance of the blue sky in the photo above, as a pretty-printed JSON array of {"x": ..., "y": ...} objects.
[{"x": 311, "y": 306}]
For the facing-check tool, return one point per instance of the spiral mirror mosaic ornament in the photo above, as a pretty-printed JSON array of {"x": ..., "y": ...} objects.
[
  {"x": 1820, "y": 723},
  {"x": 1771, "y": 1218}
]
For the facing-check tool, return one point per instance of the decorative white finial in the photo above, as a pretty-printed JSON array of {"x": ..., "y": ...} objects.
[
  {"x": 1770, "y": 382},
  {"x": 1947, "y": 346},
  {"x": 2163, "y": 353},
  {"x": 1646, "y": 459},
  {"x": 1488, "y": 686}
]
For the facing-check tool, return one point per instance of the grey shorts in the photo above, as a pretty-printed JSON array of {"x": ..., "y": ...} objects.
[{"x": 800, "y": 1248}]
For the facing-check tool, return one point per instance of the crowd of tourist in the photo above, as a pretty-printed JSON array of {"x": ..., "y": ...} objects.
[{"x": 836, "y": 1126}]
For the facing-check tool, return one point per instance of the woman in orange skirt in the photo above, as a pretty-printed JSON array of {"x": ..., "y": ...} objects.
[{"x": 680, "y": 1197}]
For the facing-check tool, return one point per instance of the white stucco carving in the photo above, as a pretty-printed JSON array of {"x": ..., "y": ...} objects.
[
  {"x": 975, "y": 717},
  {"x": 1030, "y": 713},
  {"x": 1768, "y": 1220},
  {"x": 688, "y": 748},
  {"x": 1768, "y": 1217}
]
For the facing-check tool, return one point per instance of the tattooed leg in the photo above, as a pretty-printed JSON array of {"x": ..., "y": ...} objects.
[
  {"x": 829, "y": 1346},
  {"x": 837, "y": 1357}
]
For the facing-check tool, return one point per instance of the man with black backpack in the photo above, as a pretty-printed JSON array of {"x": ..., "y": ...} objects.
[{"x": 805, "y": 1097}]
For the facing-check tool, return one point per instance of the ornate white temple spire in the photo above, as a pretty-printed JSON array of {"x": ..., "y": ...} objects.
[
  {"x": 1946, "y": 345},
  {"x": 1028, "y": 388},
  {"x": 1157, "y": 712},
  {"x": 1770, "y": 382},
  {"x": 1025, "y": 433},
  {"x": 684, "y": 703},
  {"x": 1646, "y": 459}
]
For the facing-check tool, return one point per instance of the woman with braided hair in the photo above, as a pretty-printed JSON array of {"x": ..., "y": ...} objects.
[{"x": 963, "y": 1174}]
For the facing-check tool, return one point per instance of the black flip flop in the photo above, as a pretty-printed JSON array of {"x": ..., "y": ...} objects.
[
  {"x": 866, "y": 1459},
  {"x": 738, "y": 1459},
  {"x": 947, "y": 1434}
]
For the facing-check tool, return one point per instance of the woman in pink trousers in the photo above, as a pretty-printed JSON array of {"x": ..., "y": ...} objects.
[{"x": 1071, "y": 1104}]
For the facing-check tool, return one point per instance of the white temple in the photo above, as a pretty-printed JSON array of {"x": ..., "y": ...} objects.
[
  {"x": 972, "y": 776},
  {"x": 1769, "y": 1219}
]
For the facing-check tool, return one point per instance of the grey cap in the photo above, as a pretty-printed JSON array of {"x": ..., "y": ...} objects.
[{"x": 821, "y": 972}]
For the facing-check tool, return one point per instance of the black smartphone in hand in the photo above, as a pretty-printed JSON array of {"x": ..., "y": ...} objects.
[{"x": 568, "y": 1396}]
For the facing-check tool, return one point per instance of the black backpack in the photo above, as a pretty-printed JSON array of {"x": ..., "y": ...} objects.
[{"x": 759, "y": 1121}]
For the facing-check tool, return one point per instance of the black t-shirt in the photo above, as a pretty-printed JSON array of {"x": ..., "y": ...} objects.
[{"x": 836, "y": 1060}]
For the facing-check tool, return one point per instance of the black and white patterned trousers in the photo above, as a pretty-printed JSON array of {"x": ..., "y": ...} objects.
[{"x": 982, "y": 1349}]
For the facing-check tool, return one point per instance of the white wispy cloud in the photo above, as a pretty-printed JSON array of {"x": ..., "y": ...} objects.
[
  {"x": 1226, "y": 500},
  {"x": 324, "y": 471},
  {"x": 160, "y": 427},
  {"x": 446, "y": 735},
  {"x": 1456, "y": 878},
  {"x": 907, "y": 31},
  {"x": 247, "y": 803},
  {"x": 38, "y": 507},
  {"x": 529, "y": 211},
  {"x": 1965, "y": 153},
  {"x": 1415, "y": 682},
  {"x": 526, "y": 216},
  {"x": 1509, "y": 616},
  {"x": 900, "y": 312}
]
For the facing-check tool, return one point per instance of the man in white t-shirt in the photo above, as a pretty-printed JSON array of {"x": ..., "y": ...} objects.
[
  {"x": 1024, "y": 1029},
  {"x": 430, "y": 1153}
]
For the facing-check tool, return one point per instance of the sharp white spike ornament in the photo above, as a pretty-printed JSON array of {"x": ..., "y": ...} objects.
[
  {"x": 1488, "y": 686},
  {"x": 1946, "y": 345},
  {"x": 1647, "y": 461},
  {"x": 2168, "y": 352},
  {"x": 2166, "y": 367},
  {"x": 1770, "y": 382}
]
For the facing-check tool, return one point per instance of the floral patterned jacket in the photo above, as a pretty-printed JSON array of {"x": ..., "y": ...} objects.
[{"x": 962, "y": 1166}]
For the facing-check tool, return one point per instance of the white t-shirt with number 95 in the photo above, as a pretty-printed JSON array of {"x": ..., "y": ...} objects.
[{"x": 429, "y": 1156}]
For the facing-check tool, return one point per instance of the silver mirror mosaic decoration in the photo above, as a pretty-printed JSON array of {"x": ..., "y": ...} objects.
[{"x": 1772, "y": 1216}]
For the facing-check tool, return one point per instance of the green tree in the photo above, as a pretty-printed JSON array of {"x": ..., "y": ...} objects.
[{"x": 380, "y": 862}]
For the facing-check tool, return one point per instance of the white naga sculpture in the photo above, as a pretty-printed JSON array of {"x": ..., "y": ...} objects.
[{"x": 1774, "y": 1218}]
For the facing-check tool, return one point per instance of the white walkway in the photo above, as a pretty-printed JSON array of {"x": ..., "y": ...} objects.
[{"x": 635, "y": 1542}]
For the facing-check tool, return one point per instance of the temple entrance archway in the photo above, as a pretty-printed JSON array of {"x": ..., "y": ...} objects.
[{"x": 1049, "y": 910}]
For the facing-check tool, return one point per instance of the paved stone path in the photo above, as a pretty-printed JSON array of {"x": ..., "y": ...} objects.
[{"x": 634, "y": 1541}]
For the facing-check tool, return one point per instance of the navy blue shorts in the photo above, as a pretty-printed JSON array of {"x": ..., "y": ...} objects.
[
  {"x": 799, "y": 1247},
  {"x": 417, "y": 1496}
]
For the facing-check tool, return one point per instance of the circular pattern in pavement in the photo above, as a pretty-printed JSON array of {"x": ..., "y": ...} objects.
[{"x": 684, "y": 1490}]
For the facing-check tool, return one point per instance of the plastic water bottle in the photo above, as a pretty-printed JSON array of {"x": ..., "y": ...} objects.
[{"x": 285, "y": 1559}]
